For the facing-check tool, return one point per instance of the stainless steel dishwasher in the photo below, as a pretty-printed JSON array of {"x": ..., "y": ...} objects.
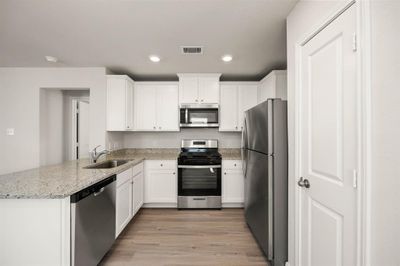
[{"x": 92, "y": 222}]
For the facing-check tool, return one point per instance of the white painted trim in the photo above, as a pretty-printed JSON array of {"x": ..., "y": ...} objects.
[
  {"x": 364, "y": 89},
  {"x": 65, "y": 231},
  {"x": 74, "y": 104},
  {"x": 365, "y": 127},
  {"x": 160, "y": 205},
  {"x": 239, "y": 82},
  {"x": 157, "y": 83},
  {"x": 274, "y": 72}
]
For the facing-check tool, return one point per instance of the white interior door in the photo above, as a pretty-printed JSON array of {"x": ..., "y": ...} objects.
[
  {"x": 328, "y": 111},
  {"x": 83, "y": 129}
]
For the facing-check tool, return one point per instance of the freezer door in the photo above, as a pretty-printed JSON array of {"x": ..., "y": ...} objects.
[
  {"x": 259, "y": 199},
  {"x": 256, "y": 122}
]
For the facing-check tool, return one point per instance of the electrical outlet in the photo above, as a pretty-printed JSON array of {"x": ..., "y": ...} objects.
[{"x": 10, "y": 132}]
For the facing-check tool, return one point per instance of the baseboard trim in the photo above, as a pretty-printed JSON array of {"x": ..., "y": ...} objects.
[
  {"x": 232, "y": 205},
  {"x": 160, "y": 205}
]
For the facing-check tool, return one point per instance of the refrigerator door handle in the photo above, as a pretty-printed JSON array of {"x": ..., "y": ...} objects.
[
  {"x": 244, "y": 148},
  {"x": 270, "y": 252}
]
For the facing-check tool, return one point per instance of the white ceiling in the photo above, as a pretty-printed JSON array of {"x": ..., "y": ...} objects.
[{"x": 120, "y": 35}]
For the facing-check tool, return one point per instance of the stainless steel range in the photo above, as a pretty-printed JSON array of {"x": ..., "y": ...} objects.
[{"x": 199, "y": 175}]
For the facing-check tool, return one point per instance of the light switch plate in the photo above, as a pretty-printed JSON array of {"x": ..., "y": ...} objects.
[{"x": 10, "y": 132}]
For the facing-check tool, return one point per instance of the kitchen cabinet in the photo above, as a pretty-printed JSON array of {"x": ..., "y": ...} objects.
[
  {"x": 274, "y": 85},
  {"x": 119, "y": 103},
  {"x": 123, "y": 205},
  {"x": 138, "y": 188},
  {"x": 236, "y": 98},
  {"x": 129, "y": 196},
  {"x": 160, "y": 182},
  {"x": 232, "y": 183},
  {"x": 198, "y": 88},
  {"x": 156, "y": 106}
]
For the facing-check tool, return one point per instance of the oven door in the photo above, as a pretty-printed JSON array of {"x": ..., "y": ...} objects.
[
  {"x": 199, "y": 117},
  {"x": 199, "y": 180}
]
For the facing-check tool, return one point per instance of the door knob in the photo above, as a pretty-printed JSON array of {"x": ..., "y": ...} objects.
[{"x": 303, "y": 182}]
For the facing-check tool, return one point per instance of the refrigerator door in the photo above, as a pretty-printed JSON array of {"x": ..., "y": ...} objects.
[
  {"x": 256, "y": 125},
  {"x": 259, "y": 199}
]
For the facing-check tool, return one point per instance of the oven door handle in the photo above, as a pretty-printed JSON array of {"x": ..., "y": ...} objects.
[{"x": 199, "y": 166}]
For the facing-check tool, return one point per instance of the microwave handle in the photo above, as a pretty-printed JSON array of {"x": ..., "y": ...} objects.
[{"x": 186, "y": 116}]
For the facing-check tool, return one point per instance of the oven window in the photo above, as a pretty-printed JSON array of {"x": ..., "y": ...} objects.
[{"x": 203, "y": 181}]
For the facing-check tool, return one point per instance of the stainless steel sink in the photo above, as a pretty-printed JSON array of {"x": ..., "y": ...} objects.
[{"x": 106, "y": 164}]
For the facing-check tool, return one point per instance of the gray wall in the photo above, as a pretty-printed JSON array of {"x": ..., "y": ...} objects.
[{"x": 19, "y": 109}]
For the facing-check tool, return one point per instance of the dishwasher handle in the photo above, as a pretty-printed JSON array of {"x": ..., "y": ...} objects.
[
  {"x": 95, "y": 189},
  {"x": 101, "y": 190}
]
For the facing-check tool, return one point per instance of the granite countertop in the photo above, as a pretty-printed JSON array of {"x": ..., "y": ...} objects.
[
  {"x": 63, "y": 180},
  {"x": 55, "y": 181},
  {"x": 230, "y": 154}
]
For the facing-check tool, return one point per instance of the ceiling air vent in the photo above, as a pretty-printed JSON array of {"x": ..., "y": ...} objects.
[{"x": 192, "y": 49}]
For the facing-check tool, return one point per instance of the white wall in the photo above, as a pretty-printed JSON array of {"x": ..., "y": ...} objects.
[
  {"x": 51, "y": 127},
  {"x": 173, "y": 139},
  {"x": 385, "y": 62},
  {"x": 19, "y": 109},
  {"x": 304, "y": 17}
]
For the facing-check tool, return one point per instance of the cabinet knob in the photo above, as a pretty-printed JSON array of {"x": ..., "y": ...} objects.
[
  {"x": 159, "y": 127},
  {"x": 154, "y": 127},
  {"x": 224, "y": 173},
  {"x": 173, "y": 173},
  {"x": 197, "y": 100},
  {"x": 236, "y": 127},
  {"x": 234, "y": 164},
  {"x": 202, "y": 100},
  {"x": 161, "y": 165}
]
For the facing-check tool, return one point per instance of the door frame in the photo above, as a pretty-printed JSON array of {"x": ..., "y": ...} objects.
[
  {"x": 364, "y": 130},
  {"x": 74, "y": 107}
]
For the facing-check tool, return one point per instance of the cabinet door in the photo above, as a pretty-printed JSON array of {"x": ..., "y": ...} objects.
[
  {"x": 209, "y": 89},
  {"x": 116, "y": 104},
  {"x": 232, "y": 186},
  {"x": 129, "y": 105},
  {"x": 188, "y": 89},
  {"x": 247, "y": 100},
  {"x": 160, "y": 186},
  {"x": 123, "y": 206},
  {"x": 228, "y": 112},
  {"x": 167, "y": 108},
  {"x": 145, "y": 107},
  {"x": 137, "y": 192}
]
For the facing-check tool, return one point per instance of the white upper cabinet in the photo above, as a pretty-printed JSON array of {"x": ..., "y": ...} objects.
[
  {"x": 198, "y": 88},
  {"x": 156, "y": 106},
  {"x": 247, "y": 100},
  {"x": 228, "y": 112},
  {"x": 236, "y": 98},
  {"x": 119, "y": 103},
  {"x": 274, "y": 85}
]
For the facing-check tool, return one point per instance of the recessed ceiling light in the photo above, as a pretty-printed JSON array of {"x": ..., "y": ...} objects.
[
  {"x": 154, "y": 58},
  {"x": 51, "y": 59},
  {"x": 227, "y": 58}
]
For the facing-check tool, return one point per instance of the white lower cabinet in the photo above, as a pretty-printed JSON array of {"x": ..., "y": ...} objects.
[
  {"x": 160, "y": 182},
  {"x": 232, "y": 183},
  {"x": 129, "y": 196}
]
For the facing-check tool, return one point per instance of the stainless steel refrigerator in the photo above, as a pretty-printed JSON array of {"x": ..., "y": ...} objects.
[{"x": 264, "y": 155}]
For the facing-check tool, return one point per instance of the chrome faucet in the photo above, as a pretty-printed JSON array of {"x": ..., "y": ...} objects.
[{"x": 94, "y": 155}]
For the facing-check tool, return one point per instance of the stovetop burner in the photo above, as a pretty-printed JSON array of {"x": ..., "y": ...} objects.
[{"x": 199, "y": 152}]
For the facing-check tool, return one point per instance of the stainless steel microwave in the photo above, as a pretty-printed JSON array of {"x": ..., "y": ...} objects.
[{"x": 199, "y": 115}]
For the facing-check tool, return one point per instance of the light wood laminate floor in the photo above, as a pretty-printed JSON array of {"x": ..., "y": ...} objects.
[{"x": 195, "y": 237}]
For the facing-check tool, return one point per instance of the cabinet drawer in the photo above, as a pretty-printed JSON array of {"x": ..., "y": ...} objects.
[
  {"x": 124, "y": 176},
  {"x": 161, "y": 164},
  {"x": 137, "y": 169},
  {"x": 232, "y": 164}
]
